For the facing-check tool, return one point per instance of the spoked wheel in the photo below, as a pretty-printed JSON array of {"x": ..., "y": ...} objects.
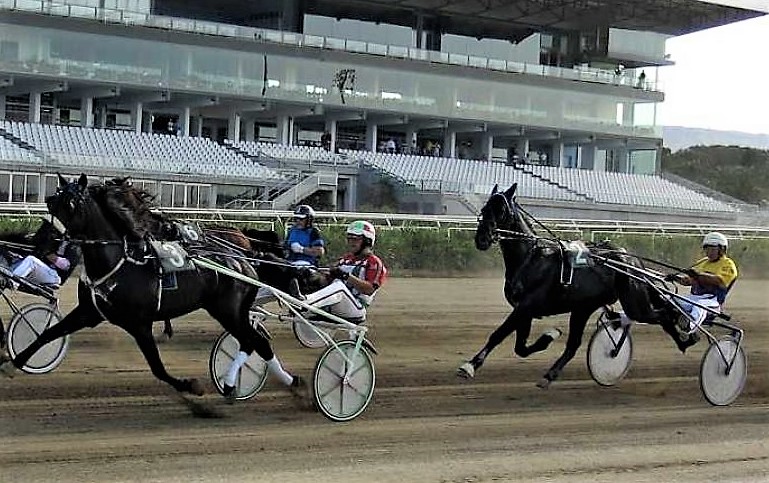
[
  {"x": 251, "y": 377},
  {"x": 344, "y": 381},
  {"x": 26, "y": 326},
  {"x": 720, "y": 384},
  {"x": 307, "y": 336},
  {"x": 608, "y": 361}
]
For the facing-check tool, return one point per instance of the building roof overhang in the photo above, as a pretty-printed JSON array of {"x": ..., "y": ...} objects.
[{"x": 517, "y": 19}]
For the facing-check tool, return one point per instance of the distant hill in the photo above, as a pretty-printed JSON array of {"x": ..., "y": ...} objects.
[
  {"x": 676, "y": 138},
  {"x": 738, "y": 172}
]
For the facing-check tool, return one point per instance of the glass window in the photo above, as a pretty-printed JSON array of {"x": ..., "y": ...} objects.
[
  {"x": 166, "y": 194},
  {"x": 33, "y": 188},
  {"x": 5, "y": 186},
  {"x": 51, "y": 184},
  {"x": 17, "y": 188},
  {"x": 193, "y": 192},
  {"x": 205, "y": 196},
  {"x": 179, "y": 195}
]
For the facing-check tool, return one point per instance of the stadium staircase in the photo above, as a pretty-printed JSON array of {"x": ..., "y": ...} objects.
[
  {"x": 522, "y": 168},
  {"x": 297, "y": 186}
]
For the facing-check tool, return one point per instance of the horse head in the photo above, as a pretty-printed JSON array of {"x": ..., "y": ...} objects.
[
  {"x": 72, "y": 205},
  {"x": 499, "y": 213}
]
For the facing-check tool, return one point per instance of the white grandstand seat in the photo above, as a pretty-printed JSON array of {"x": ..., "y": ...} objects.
[
  {"x": 477, "y": 177},
  {"x": 143, "y": 151}
]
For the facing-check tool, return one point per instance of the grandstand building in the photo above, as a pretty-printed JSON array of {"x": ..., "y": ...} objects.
[{"x": 265, "y": 104}]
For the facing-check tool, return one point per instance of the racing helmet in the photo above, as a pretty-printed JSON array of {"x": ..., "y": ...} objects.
[
  {"x": 364, "y": 229},
  {"x": 305, "y": 212},
  {"x": 716, "y": 238}
]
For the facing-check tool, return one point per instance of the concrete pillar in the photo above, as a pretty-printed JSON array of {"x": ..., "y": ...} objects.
[
  {"x": 628, "y": 114},
  {"x": 331, "y": 129},
  {"x": 284, "y": 132},
  {"x": 488, "y": 145},
  {"x": 449, "y": 144},
  {"x": 184, "y": 122},
  {"x": 351, "y": 195},
  {"x": 34, "y": 106},
  {"x": 524, "y": 147},
  {"x": 2, "y": 112},
  {"x": 371, "y": 136},
  {"x": 198, "y": 126},
  {"x": 557, "y": 155},
  {"x": 103, "y": 117},
  {"x": 136, "y": 117},
  {"x": 147, "y": 121},
  {"x": 250, "y": 127},
  {"x": 411, "y": 137},
  {"x": 233, "y": 127}
]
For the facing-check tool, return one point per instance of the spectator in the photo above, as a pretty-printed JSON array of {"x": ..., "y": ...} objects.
[
  {"x": 325, "y": 141},
  {"x": 642, "y": 80},
  {"x": 390, "y": 147}
]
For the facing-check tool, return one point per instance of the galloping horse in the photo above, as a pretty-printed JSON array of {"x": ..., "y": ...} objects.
[
  {"x": 535, "y": 285},
  {"x": 110, "y": 222}
]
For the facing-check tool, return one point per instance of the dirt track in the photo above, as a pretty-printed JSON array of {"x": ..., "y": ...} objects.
[{"x": 101, "y": 416}]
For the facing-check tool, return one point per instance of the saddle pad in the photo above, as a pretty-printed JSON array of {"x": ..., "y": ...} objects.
[
  {"x": 577, "y": 253},
  {"x": 172, "y": 257}
]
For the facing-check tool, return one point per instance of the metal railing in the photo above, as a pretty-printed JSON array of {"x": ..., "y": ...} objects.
[{"x": 396, "y": 220}]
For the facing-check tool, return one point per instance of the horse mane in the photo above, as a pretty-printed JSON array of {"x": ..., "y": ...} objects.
[{"x": 128, "y": 208}]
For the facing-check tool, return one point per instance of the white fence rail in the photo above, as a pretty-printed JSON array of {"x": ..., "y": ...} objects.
[{"x": 406, "y": 220}]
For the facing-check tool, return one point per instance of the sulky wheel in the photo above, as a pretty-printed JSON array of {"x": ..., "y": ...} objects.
[
  {"x": 607, "y": 361},
  {"x": 306, "y": 336},
  {"x": 26, "y": 326},
  {"x": 344, "y": 381},
  {"x": 251, "y": 377},
  {"x": 720, "y": 384}
]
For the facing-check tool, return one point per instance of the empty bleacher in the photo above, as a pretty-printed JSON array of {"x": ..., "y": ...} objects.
[
  {"x": 126, "y": 150},
  {"x": 475, "y": 177},
  {"x": 309, "y": 154}
]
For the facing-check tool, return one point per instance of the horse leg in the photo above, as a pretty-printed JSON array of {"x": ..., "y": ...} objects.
[
  {"x": 250, "y": 340},
  {"x": 542, "y": 343},
  {"x": 80, "y": 318},
  {"x": 168, "y": 329},
  {"x": 142, "y": 334},
  {"x": 577, "y": 322},
  {"x": 467, "y": 370}
]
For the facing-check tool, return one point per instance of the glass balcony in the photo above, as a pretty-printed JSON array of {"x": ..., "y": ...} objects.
[{"x": 123, "y": 16}]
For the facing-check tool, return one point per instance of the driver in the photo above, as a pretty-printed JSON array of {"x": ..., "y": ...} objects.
[
  {"x": 356, "y": 277},
  {"x": 304, "y": 247},
  {"x": 710, "y": 278},
  {"x": 304, "y": 243}
]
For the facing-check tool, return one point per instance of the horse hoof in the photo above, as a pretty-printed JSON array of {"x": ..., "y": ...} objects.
[
  {"x": 544, "y": 383},
  {"x": 554, "y": 333},
  {"x": 162, "y": 338},
  {"x": 196, "y": 388},
  {"x": 466, "y": 371},
  {"x": 7, "y": 368}
]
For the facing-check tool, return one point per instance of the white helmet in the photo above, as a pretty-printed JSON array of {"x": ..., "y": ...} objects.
[
  {"x": 715, "y": 238},
  {"x": 364, "y": 229}
]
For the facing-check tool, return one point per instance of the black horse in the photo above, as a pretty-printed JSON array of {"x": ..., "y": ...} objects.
[
  {"x": 537, "y": 284},
  {"x": 111, "y": 224}
]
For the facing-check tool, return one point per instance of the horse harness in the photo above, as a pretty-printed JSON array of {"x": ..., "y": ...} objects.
[{"x": 170, "y": 254}]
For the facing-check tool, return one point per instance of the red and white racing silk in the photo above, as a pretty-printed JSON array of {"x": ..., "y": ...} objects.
[{"x": 370, "y": 268}]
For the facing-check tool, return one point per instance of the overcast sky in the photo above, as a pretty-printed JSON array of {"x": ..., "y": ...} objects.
[{"x": 720, "y": 80}]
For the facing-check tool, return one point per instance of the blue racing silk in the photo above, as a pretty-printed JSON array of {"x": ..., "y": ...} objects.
[{"x": 307, "y": 237}]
